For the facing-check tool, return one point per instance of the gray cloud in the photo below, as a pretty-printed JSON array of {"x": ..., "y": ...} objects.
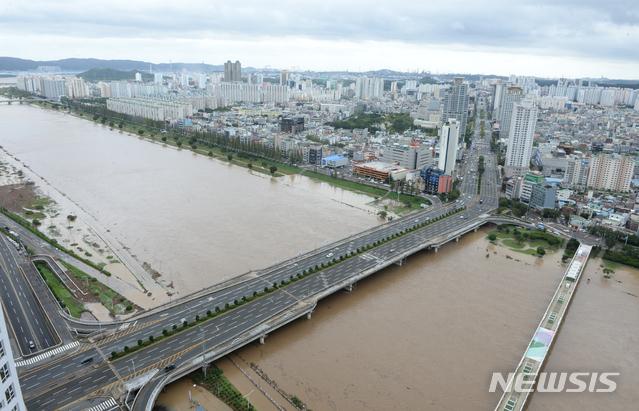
[{"x": 588, "y": 29}]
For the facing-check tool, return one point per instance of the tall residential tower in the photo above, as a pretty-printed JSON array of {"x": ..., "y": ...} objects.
[
  {"x": 232, "y": 71},
  {"x": 520, "y": 138},
  {"x": 456, "y": 104},
  {"x": 448, "y": 146}
]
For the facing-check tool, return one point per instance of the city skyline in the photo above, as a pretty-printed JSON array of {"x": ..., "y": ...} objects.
[{"x": 571, "y": 39}]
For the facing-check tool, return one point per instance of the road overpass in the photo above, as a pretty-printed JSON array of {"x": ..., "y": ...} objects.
[{"x": 51, "y": 384}]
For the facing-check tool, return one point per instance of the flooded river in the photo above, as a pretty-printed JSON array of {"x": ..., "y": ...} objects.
[
  {"x": 424, "y": 336},
  {"x": 194, "y": 219}
]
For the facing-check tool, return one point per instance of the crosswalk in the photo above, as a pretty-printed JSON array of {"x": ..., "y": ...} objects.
[
  {"x": 107, "y": 405},
  {"x": 46, "y": 354}
]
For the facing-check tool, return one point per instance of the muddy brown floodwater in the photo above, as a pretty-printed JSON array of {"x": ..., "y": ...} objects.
[{"x": 424, "y": 336}]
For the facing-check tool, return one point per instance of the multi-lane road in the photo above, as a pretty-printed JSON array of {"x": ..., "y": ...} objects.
[
  {"x": 30, "y": 326},
  {"x": 49, "y": 386}
]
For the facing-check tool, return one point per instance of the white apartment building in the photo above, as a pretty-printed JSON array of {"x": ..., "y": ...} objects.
[
  {"x": 512, "y": 96},
  {"x": 275, "y": 94},
  {"x": 520, "y": 138},
  {"x": 610, "y": 173},
  {"x": 154, "y": 109},
  {"x": 9, "y": 384},
  {"x": 369, "y": 87},
  {"x": 448, "y": 146},
  {"x": 576, "y": 172}
]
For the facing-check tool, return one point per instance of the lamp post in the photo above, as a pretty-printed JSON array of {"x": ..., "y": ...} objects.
[
  {"x": 132, "y": 362},
  {"x": 203, "y": 353},
  {"x": 248, "y": 401}
]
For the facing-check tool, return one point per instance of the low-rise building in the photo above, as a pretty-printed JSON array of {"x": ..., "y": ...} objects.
[{"x": 380, "y": 171}]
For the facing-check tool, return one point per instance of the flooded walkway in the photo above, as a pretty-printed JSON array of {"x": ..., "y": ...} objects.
[{"x": 527, "y": 372}]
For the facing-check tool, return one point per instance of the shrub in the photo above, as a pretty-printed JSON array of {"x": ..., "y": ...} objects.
[
  {"x": 197, "y": 318},
  {"x": 140, "y": 343},
  {"x": 209, "y": 313},
  {"x": 151, "y": 338},
  {"x": 174, "y": 327},
  {"x": 129, "y": 307},
  {"x": 126, "y": 348},
  {"x": 141, "y": 132},
  {"x": 185, "y": 324},
  {"x": 217, "y": 309},
  {"x": 163, "y": 138},
  {"x": 179, "y": 144},
  {"x": 114, "y": 354},
  {"x": 165, "y": 332}
]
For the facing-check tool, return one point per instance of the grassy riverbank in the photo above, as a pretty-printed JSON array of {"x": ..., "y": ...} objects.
[
  {"x": 533, "y": 242},
  {"x": 378, "y": 193}
]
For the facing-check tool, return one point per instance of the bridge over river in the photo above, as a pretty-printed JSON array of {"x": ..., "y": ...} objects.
[{"x": 253, "y": 305}]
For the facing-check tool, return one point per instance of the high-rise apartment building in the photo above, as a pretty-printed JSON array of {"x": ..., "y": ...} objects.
[
  {"x": 9, "y": 384},
  {"x": 520, "y": 138},
  {"x": 576, "y": 172},
  {"x": 366, "y": 87},
  {"x": 284, "y": 77},
  {"x": 610, "y": 173},
  {"x": 232, "y": 71},
  {"x": 448, "y": 146},
  {"x": 456, "y": 104},
  {"x": 513, "y": 95},
  {"x": 498, "y": 100}
]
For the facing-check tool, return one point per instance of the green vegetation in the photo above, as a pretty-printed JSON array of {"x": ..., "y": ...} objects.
[
  {"x": 571, "y": 249},
  {"x": 216, "y": 383},
  {"x": 64, "y": 297},
  {"x": 104, "y": 293},
  {"x": 534, "y": 242},
  {"x": 360, "y": 120},
  {"x": 108, "y": 74},
  {"x": 428, "y": 80},
  {"x": 14, "y": 93},
  {"x": 518, "y": 209},
  {"x": 415, "y": 202},
  {"x": 52, "y": 241},
  {"x": 628, "y": 256}
]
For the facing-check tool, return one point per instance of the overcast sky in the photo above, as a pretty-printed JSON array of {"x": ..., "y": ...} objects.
[{"x": 545, "y": 38}]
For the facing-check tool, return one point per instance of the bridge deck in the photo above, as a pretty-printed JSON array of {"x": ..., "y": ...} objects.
[{"x": 527, "y": 371}]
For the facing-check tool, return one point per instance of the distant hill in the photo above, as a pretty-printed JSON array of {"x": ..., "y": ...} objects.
[
  {"x": 109, "y": 74},
  {"x": 16, "y": 64}
]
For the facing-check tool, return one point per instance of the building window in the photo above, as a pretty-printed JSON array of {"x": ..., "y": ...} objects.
[
  {"x": 9, "y": 394},
  {"x": 4, "y": 372},
  {"x": 1, "y": 350}
]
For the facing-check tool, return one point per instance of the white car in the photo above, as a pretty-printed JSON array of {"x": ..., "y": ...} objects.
[{"x": 329, "y": 255}]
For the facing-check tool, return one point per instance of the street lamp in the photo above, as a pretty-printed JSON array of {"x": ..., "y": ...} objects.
[
  {"x": 132, "y": 362},
  {"x": 248, "y": 407}
]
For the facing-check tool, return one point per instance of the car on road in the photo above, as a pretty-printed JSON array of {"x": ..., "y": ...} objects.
[
  {"x": 169, "y": 368},
  {"x": 461, "y": 216},
  {"x": 31, "y": 345},
  {"x": 392, "y": 250},
  {"x": 329, "y": 255},
  {"x": 87, "y": 360}
]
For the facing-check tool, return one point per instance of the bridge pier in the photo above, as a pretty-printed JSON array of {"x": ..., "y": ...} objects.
[
  {"x": 308, "y": 315},
  {"x": 456, "y": 239},
  {"x": 475, "y": 230},
  {"x": 400, "y": 262},
  {"x": 349, "y": 288},
  {"x": 435, "y": 248},
  {"x": 262, "y": 337}
]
